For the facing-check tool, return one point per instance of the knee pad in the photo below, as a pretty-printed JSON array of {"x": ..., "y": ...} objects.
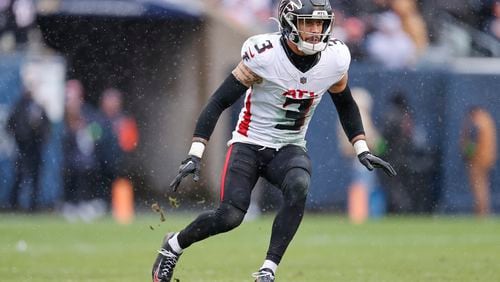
[
  {"x": 229, "y": 216},
  {"x": 295, "y": 186}
]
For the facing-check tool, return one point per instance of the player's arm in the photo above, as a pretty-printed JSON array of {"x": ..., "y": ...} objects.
[
  {"x": 233, "y": 87},
  {"x": 348, "y": 110},
  {"x": 350, "y": 118}
]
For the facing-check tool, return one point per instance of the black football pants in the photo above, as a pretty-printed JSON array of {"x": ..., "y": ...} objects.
[{"x": 289, "y": 169}]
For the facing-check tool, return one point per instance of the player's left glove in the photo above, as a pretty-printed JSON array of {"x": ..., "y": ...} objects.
[
  {"x": 371, "y": 161},
  {"x": 191, "y": 165}
]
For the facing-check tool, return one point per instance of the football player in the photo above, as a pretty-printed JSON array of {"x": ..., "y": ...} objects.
[{"x": 283, "y": 77}]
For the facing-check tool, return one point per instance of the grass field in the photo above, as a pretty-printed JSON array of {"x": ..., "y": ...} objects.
[{"x": 326, "y": 248}]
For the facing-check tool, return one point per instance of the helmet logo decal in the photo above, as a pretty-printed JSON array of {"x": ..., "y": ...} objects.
[{"x": 290, "y": 6}]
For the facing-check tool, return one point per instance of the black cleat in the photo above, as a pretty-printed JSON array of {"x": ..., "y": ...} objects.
[
  {"x": 165, "y": 262},
  {"x": 264, "y": 275}
]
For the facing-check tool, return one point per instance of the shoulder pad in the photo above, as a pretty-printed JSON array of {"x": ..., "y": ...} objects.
[
  {"x": 257, "y": 51},
  {"x": 340, "y": 53}
]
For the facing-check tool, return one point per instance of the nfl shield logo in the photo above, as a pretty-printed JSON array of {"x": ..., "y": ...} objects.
[{"x": 303, "y": 80}]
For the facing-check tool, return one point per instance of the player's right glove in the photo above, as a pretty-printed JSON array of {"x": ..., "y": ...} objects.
[{"x": 191, "y": 165}]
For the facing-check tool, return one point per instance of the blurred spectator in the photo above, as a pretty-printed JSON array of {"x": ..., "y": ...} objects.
[
  {"x": 7, "y": 26},
  {"x": 355, "y": 31},
  {"x": 124, "y": 128},
  {"x": 25, "y": 15},
  {"x": 373, "y": 21},
  {"x": 17, "y": 18},
  {"x": 493, "y": 22},
  {"x": 472, "y": 12},
  {"x": 407, "y": 150},
  {"x": 360, "y": 7},
  {"x": 363, "y": 182},
  {"x": 88, "y": 149},
  {"x": 390, "y": 45},
  {"x": 30, "y": 127},
  {"x": 5, "y": 15},
  {"x": 478, "y": 144},
  {"x": 412, "y": 22},
  {"x": 351, "y": 30},
  {"x": 248, "y": 13}
]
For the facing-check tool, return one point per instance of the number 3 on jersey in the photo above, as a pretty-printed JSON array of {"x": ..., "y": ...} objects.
[
  {"x": 298, "y": 116},
  {"x": 260, "y": 49}
]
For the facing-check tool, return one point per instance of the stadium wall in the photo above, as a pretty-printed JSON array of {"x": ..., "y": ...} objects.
[{"x": 440, "y": 100}]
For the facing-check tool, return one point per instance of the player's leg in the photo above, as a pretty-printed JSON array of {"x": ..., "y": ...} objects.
[
  {"x": 478, "y": 178},
  {"x": 290, "y": 171},
  {"x": 239, "y": 176},
  {"x": 238, "y": 179},
  {"x": 35, "y": 167},
  {"x": 16, "y": 188}
]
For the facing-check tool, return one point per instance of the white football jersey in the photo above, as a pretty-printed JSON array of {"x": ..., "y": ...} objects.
[{"x": 277, "y": 111}]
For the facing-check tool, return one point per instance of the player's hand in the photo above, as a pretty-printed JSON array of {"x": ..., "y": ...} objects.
[
  {"x": 191, "y": 165},
  {"x": 371, "y": 161}
]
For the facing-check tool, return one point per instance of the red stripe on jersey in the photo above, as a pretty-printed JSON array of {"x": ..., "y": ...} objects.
[
  {"x": 223, "y": 180},
  {"x": 245, "y": 123}
]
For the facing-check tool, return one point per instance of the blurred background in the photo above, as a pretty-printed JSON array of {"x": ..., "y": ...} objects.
[{"x": 99, "y": 98}]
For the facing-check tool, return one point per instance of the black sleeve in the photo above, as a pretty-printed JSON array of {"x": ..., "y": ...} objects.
[
  {"x": 226, "y": 95},
  {"x": 348, "y": 111}
]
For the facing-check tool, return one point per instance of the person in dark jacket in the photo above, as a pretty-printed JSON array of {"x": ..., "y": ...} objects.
[
  {"x": 89, "y": 149},
  {"x": 30, "y": 127}
]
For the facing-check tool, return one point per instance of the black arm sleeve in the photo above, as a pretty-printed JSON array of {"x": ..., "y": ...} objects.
[
  {"x": 348, "y": 111},
  {"x": 226, "y": 95}
]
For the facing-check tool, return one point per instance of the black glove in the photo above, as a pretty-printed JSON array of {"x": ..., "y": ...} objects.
[
  {"x": 371, "y": 161},
  {"x": 190, "y": 165}
]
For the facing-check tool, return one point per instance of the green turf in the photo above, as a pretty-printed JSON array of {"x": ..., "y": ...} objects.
[{"x": 326, "y": 248}]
